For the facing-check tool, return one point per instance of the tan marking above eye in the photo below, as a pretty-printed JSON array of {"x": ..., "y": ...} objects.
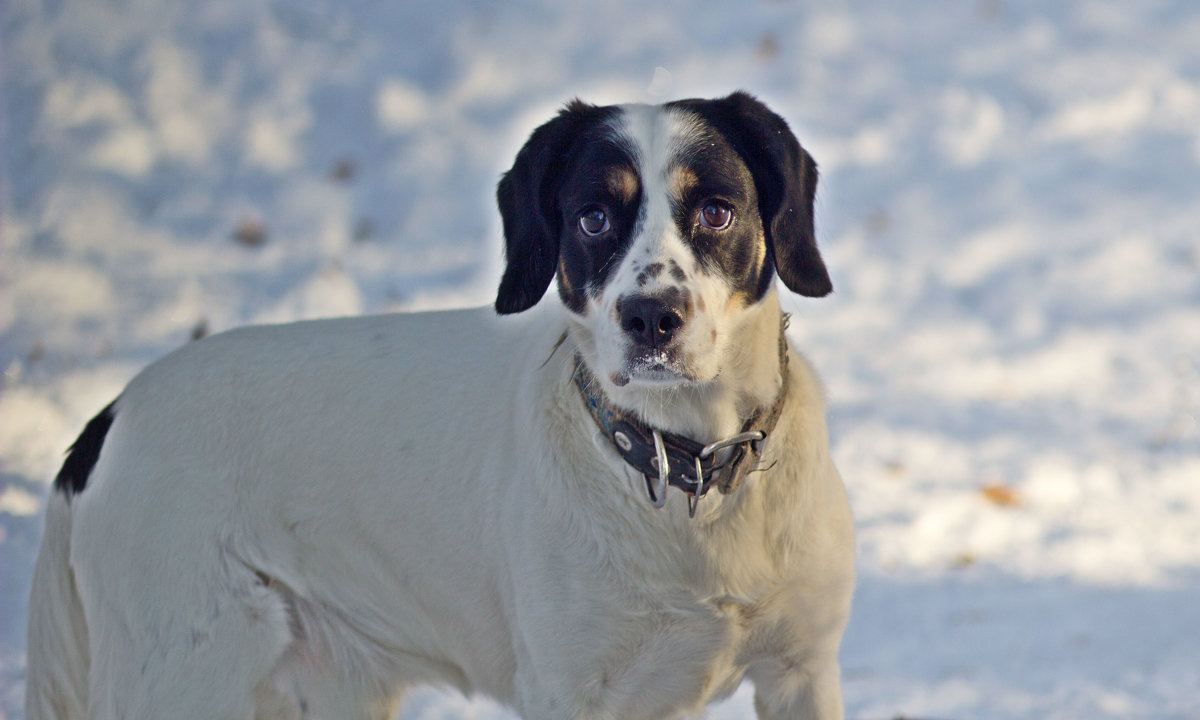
[
  {"x": 681, "y": 180},
  {"x": 623, "y": 183}
]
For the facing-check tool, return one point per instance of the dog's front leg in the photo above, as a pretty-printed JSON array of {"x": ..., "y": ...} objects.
[{"x": 787, "y": 691}]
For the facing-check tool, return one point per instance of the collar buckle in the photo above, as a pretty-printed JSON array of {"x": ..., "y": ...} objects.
[
  {"x": 650, "y": 452},
  {"x": 695, "y": 487}
]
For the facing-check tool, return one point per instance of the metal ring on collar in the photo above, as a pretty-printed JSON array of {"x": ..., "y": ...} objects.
[
  {"x": 657, "y": 489},
  {"x": 694, "y": 498},
  {"x": 752, "y": 436}
]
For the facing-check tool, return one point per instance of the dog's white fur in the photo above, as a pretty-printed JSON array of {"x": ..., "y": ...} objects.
[{"x": 305, "y": 520}]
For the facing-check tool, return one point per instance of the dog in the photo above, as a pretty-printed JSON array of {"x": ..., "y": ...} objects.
[{"x": 611, "y": 502}]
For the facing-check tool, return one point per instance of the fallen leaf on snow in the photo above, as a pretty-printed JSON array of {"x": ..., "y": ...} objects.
[{"x": 1001, "y": 495}]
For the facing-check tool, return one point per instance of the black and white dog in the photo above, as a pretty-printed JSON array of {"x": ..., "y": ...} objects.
[{"x": 617, "y": 504}]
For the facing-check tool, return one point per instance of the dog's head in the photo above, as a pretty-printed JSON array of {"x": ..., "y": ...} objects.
[{"x": 665, "y": 226}]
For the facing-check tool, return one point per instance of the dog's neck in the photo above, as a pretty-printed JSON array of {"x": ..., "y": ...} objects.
[{"x": 750, "y": 380}]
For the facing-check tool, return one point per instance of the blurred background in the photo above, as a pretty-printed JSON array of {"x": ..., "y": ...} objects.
[{"x": 1008, "y": 205}]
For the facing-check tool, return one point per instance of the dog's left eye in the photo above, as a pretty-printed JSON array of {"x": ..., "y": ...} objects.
[
  {"x": 594, "y": 222},
  {"x": 716, "y": 216}
]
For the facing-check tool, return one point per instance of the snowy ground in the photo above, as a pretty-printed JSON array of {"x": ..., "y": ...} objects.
[{"x": 1009, "y": 208}]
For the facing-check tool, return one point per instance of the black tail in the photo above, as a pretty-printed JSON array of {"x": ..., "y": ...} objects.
[{"x": 83, "y": 454}]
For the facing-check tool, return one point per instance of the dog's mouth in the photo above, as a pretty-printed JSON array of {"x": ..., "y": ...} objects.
[{"x": 653, "y": 367}]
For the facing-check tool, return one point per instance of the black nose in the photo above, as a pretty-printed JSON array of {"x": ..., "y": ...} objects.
[{"x": 648, "y": 320}]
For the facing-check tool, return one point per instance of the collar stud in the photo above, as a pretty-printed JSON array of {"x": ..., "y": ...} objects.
[{"x": 622, "y": 440}]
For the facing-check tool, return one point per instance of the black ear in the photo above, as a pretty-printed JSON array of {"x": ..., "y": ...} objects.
[
  {"x": 528, "y": 199},
  {"x": 785, "y": 176}
]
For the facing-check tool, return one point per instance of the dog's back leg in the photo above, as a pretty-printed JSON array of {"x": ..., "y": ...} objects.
[
  {"x": 57, "y": 668},
  {"x": 172, "y": 633},
  {"x": 235, "y": 648},
  {"x": 207, "y": 657},
  {"x": 305, "y": 685},
  {"x": 811, "y": 692},
  {"x": 167, "y": 652}
]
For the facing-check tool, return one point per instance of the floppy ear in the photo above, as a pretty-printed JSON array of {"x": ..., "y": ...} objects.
[
  {"x": 528, "y": 199},
  {"x": 785, "y": 176}
]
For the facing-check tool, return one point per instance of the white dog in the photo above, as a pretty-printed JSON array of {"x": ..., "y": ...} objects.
[{"x": 303, "y": 521}]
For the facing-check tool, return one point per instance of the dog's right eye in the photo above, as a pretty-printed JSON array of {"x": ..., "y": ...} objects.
[
  {"x": 594, "y": 222},
  {"x": 716, "y": 216}
]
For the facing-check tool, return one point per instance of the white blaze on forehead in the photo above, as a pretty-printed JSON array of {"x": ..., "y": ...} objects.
[
  {"x": 658, "y": 257},
  {"x": 659, "y": 260},
  {"x": 655, "y": 136}
]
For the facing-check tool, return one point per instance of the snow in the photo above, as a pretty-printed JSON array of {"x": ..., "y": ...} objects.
[{"x": 1008, "y": 208}]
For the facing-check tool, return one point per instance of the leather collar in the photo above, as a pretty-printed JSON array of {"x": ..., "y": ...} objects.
[{"x": 691, "y": 466}]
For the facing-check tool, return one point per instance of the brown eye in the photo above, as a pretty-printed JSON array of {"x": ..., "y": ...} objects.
[
  {"x": 716, "y": 216},
  {"x": 594, "y": 222}
]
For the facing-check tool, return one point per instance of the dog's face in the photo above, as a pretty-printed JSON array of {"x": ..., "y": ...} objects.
[{"x": 665, "y": 227}]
